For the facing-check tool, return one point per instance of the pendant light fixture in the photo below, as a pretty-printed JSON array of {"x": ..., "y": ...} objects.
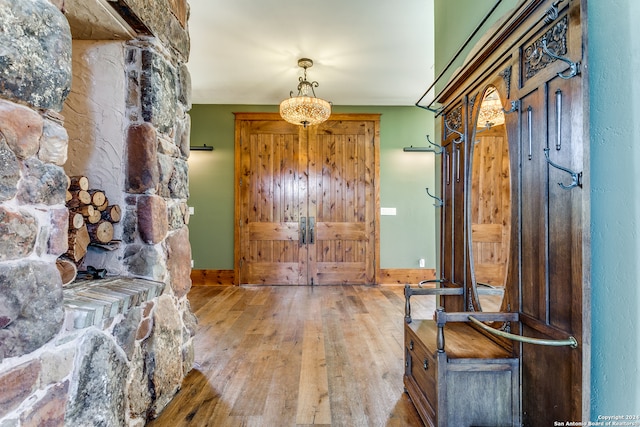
[{"x": 305, "y": 109}]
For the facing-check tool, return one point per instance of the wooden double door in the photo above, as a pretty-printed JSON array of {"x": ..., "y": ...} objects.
[{"x": 306, "y": 200}]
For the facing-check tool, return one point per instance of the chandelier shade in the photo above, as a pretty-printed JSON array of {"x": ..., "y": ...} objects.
[{"x": 305, "y": 109}]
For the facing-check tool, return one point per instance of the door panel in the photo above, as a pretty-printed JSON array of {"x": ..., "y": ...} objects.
[
  {"x": 551, "y": 254},
  {"x": 342, "y": 202},
  {"x": 306, "y": 201},
  {"x": 272, "y": 200}
]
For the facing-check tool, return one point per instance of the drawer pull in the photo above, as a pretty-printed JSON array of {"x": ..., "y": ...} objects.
[
  {"x": 411, "y": 345},
  {"x": 425, "y": 364}
]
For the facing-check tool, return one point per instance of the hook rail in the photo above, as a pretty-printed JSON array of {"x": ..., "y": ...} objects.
[{"x": 571, "y": 341}]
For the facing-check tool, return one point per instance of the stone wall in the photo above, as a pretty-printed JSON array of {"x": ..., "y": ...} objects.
[{"x": 93, "y": 354}]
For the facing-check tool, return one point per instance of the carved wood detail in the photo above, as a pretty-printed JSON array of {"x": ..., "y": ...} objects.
[{"x": 534, "y": 58}]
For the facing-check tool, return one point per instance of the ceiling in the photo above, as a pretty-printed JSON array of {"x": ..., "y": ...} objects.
[{"x": 365, "y": 52}]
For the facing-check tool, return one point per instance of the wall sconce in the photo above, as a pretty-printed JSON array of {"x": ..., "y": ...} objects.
[{"x": 203, "y": 147}]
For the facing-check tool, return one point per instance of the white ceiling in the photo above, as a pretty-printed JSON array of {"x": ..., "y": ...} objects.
[{"x": 365, "y": 52}]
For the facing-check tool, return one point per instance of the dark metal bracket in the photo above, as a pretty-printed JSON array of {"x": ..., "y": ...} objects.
[
  {"x": 576, "y": 177},
  {"x": 574, "y": 67}
]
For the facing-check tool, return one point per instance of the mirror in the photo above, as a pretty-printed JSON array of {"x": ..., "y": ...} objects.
[{"x": 490, "y": 203}]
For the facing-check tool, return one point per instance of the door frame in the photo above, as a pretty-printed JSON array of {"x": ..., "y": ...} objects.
[{"x": 242, "y": 116}]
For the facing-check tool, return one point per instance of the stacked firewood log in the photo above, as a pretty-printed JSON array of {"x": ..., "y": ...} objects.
[{"x": 91, "y": 220}]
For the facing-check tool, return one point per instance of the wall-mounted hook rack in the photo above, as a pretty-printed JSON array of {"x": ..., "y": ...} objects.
[
  {"x": 574, "y": 67},
  {"x": 439, "y": 203},
  {"x": 576, "y": 177},
  {"x": 437, "y": 150}
]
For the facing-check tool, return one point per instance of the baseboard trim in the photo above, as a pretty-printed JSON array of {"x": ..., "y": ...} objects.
[
  {"x": 402, "y": 276},
  {"x": 212, "y": 277},
  {"x": 388, "y": 276}
]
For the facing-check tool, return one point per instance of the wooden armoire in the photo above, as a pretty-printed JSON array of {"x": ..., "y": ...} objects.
[{"x": 510, "y": 343}]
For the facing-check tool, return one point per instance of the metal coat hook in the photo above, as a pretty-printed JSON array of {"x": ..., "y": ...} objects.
[
  {"x": 455, "y": 141},
  {"x": 515, "y": 106},
  {"x": 438, "y": 200},
  {"x": 439, "y": 149},
  {"x": 574, "y": 67},
  {"x": 576, "y": 178}
]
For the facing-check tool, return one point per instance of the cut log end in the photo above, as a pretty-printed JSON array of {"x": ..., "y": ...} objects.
[
  {"x": 112, "y": 213},
  {"x": 102, "y": 232},
  {"x": 78, "y": 182},
  {"x": 67, "y": 269}
]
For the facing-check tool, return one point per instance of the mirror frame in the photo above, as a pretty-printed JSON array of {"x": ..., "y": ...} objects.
[{"x": 501, "y": 87}]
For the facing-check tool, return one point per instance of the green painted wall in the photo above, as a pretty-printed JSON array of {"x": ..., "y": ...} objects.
[
  {"x": 404, "y": 238},
  {"x": 614, "y": 91},
  {"x": 455, "y": 21}
]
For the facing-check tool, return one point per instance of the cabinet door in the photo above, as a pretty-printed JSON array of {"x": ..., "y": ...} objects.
[{"x": 551, "y": 248}]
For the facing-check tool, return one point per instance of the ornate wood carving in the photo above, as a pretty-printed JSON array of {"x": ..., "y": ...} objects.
[
  {"x": 454, "y": 120},
  {"x": 535, "y": 59},
  {"x": 472, "y": 101},
  {"x": 506, "y": 76}
]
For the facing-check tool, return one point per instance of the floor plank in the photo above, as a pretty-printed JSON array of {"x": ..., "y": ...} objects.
[{"x": 297, "y": 356}]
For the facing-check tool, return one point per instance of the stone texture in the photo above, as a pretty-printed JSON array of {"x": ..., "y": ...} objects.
[
  {"x": 188, "y": 357},
  {"x": 21, "y": 126},
  {"x": 168, "y": 146},
  {"x": 138, "y": 394},
  {"x": 42, "y": 183},
  {"x": 179, "y": 182},
  {"x": 129, "y": 223},
  {"x": 163, "y": 349},
  {"x": 17, "y": 385},
  {"x": 9, "y": 171},
  {"x": 56, "y": 366},
  {"x": 158, "y": 91},
  {"x": 152, "y": 219},
  {"x": 179, "y": 261},
  {"x": 58, "y": 232},
  {"x": 10, "y": 422},
  {"x": 183, "y": 135},
  {"x": 34, "y": 291},
  {"x": 125, "y": 331},
  {"x": 49, "y": 410},
  {"x": 166, "y": 166},
  {"x": 54, "y": 143},
  {"x": 145, "y": 261},
  {"x": 35, "y": 61},
  {"x": 159, "y": 18},
  {"x": 190, "y": 320},
  {"x": 176, "y": 214},
  {"x": 144, "y": 329},
  {"x": 18, "y": 234},
  {"x": 99, "y": 397},
  {"x": 142, "y": 159},
  {"x": 184, "y": 88}
]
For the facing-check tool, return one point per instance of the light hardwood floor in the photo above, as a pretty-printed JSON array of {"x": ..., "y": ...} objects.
[{"x": 297, "y": 356}]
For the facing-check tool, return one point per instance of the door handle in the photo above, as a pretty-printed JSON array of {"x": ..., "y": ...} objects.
[
  {"x": 312, "y": 223},
  {"x": 303, "y": 230}
]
